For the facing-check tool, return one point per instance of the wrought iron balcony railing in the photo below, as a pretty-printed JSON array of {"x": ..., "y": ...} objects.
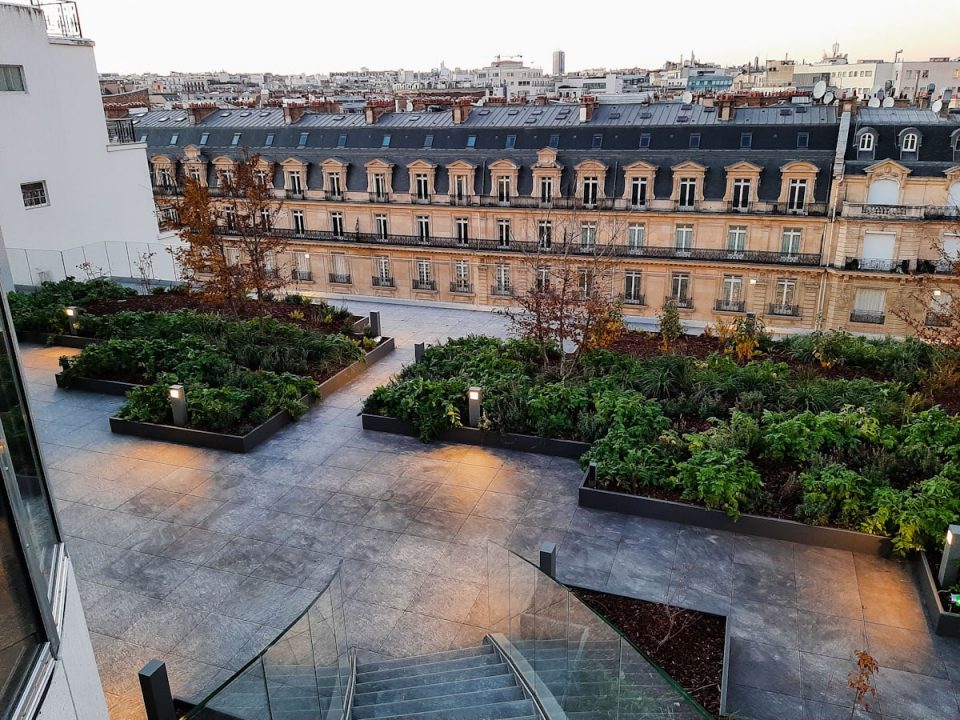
[
  {"x": 937, "y": 319},
  {"x": 302, "y": 275},
  {"x": 935, "y": 267},
  {"x": 867, "y": 316},
  {"x": 382, "y": 282},
  {"x": 293, "y": 194},
  {"x": 340, "y": 279},
  {"x": 682, "y": 302},
  {"x": 502, "y": 290},
  {"x": 783, "y": 309},
  {"x": 633, "y": 299},
  {"x": 900, "y": 267},
  {"x": 430, "y": 285},
  {"x": 734, "y": 306},
  {"x": 379, "y": 197},
  {"x": 462, "y": 287}
]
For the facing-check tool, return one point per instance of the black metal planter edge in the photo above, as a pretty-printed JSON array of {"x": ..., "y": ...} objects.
[
  {"x": 944, "y": 623},
  {"x": 104, "y": 387},
  {"x": 472, "y": 436},
  {"x": 352, "y": 371},
  {"x": 755, "y": 525},
  {"x": 49, "y": 338}
]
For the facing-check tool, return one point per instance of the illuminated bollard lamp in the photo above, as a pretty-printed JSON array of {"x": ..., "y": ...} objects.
[
  {"x": 178, "y": 404},
  {"x": 73, "y": 314},
  {"x": 950, "y": 561},
  {"x": 473, "y": 407}
]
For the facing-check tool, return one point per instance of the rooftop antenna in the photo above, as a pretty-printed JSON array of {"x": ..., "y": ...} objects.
[
  {"x": 888, "y": 102},
  {"x": 819, "y": 90}
]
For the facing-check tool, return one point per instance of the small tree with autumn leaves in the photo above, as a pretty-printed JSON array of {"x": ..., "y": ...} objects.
[
  {"x": 231, "y": 250},
  {"x": 569, "y": 301}
]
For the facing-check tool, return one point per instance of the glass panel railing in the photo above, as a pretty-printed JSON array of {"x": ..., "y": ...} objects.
[
  {"x": 573, "y": 661},
  {"x": 301, "y": 675}
]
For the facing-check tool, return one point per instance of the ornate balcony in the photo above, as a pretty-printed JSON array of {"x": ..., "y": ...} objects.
[
  {"x": 302, "y": 275},
  {"x": 382, "y": 282},
  {"x": 428, "y": 285},
  {"x": 870, "y": 210},
  {"x": 682, "y": 302},
  {"x": 783, "y": 310},
  {"x": 339, "y": 279},
  {"x": 461, "y": 287},
  {"x": 900, "y": 267},
  {"x": 379, "y": 197},
  {"x": 867, "y": 316},
  {"x": 731, "y": 306},
  {"x": 293, "y": 194}
]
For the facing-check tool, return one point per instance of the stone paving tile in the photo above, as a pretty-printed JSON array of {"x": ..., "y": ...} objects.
[
  {"x": 410, "y": 522},
  {"x": 765, "y": 667}
]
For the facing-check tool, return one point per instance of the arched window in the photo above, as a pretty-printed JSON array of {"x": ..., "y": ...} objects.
[
  {"x": 910, "y": 141},
  {"x": 884, "y": 192},
  {"x": 866, "y": 142}
]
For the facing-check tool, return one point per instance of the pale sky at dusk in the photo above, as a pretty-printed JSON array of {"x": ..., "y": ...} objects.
[{"x": 290, "y": 37}]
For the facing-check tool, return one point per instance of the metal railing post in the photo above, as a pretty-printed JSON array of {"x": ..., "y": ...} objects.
[{"x": 155, "y": 687}]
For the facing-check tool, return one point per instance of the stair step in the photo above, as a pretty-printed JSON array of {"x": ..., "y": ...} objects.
[
  {"x": 428, "y": 668},
  {"x": 492, "y": 682},
  {"x": 444, "y": 703},
  {"x": 425, "y": 659},
  {"x": 498, "y": 711},
  {"x": 409, "y": 681}
]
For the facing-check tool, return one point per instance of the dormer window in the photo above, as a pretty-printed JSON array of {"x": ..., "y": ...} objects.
[
  {"x": 688, "y": 193},
  {"x": 797, "y": 196},
  {"x": 909, "y": 144},
  {"x": 503, "y": 188},
  {"x": 334, "y": 187},
  {"x": 866, "y": 143},
  {"x": 955, "y": 145},
  {"x": 591, "y": 187}
]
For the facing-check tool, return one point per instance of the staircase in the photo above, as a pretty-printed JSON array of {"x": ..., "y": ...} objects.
[{"x": 471, "y": 684}]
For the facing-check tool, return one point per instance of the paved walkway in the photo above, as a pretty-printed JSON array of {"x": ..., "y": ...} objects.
[{"x": 200, "y": 557}]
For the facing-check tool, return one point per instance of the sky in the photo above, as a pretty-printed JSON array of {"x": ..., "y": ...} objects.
[{"x": 287, "y": 37}]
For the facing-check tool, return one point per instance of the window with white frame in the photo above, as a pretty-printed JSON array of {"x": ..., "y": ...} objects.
[
  {"x": 546, "y": 189},
  {"x": 736, "y": 240},
  {"x": 34, "y": 194},
  {"x": 790, "y": 239},
  {"x": 336, "y": 223},
  {"x": 295, "y": 182},
  {"x": 688, "y": 193},
  {"x": 631, "y": 287},
  {"x": 741, "y": 194},
  {"x": 195, "y": 174},
  {"x": 266, "y": 219},
  {"x": 379, "y": 185},
  {"x": 299, "y": 225},
  {"x": 232, "y": 256},
  {"x": 680, "y": 288},
  {"x": 542, "y": 277},
  {"x": 424, "y": 271},
  {"x": 503, "y": 188},
  {"x": 333, "y": 184},
  {"x": 380, "y": 222},
  {"x": 503, "y": 233},
  {"x": 423, "y": 227},
  {"x": 585, "y": 281},
  {"x": 461, "y": 227},
  {"x": 225, "y": 177},
  {"x": 638, "y": 191},
  {"x": 588, "y": 235},
  {"x": 785, "y": 296},
  {"x": 461, "y": 276},
  {"x": 869, "y": 305},
  {"x": 460, "y": 187},
  {"x": 545, "y": 234},
  {"x": 164, "y": 177},
  {"x": 341, "y": 272},
  {"x": 683, "y": 239},
  {"x": 382, "y": 267},
  {"x": 230, "y": 218},
  {"x": 731, "y": 292},
  {"x": 636, "y": 236},
  {"x": 910, "y": 142},
  {"x": 865, "y": 143},
  {"x": 503, "y": 278},
  {"x": 591, "y": 189},
  {"x": 260, "y": 174},
  {"x": 797, "y": 195},
  {"x": 422, "y": 186},
  {"x": 301, "y": 264}
]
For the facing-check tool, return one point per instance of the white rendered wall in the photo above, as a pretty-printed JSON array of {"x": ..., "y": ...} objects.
[
  {"x": 100, "y": 201},
  {"x": 75, "y": 691}
]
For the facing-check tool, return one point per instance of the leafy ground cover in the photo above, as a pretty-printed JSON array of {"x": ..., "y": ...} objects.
[
  {"x": 869, "y": 451},
  {"x": 237, "y": 372}
]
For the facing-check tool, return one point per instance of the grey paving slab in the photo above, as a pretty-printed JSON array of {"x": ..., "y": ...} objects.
[{"x": 409, "y": 521}]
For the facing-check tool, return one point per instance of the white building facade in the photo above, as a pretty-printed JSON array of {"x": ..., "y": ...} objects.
[{"x": 75, "y": 195}]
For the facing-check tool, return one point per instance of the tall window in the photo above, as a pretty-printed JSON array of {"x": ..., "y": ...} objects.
[
  {"x": 295, "y": 182},
  {"x": 636, "y": 235},
  {"x": 460, "y": 188},
  {"x": 865, "y": 144},
  {"x": 731, "y": 293},
  {"x": 542, "y": 277},
  {"x": 503, "y": 279},
  {"x": 545, "y": 234},
  {"x": 423, "y": 228},
  {"x": 869, "y": 306},
  {"x": 683, "y": 239},
  {"x": 382, "y": 267},
  {"x": 266, "y": 221},
  {"x": 741, "y": 194},
  {"x": 784, "y": 296},
  {"x": 336, "y": 223},
  {"x": 341, "y": 272},
  {"x": 461, "y": 227},
  {"x": 230, "y": 218},
  {"x": 588, "y": 236},
  {"x": 232, "y": 256},
  {"x": 461, "y": 276},
  {"x": 503, "y": 233},
  {"x": 334, "y": 185},
  {"x": 380, "y": 186},
  {"x": 688, "y": 193},
  {"x": 585, "y": 281},
  {"x": 424, "y": 273},
  {"x": 503, "y": 188},
  {"x": 164, "y": 178},
  {"x": 546, "y": 189},
  {"x": 260, "y": 174},
  {"x": 638, "y": 192},
  {"x": 422, "y": 181},
  {"x": 797, "y": 195},
  {"x": 736, "y": 239},
  {"x": 680, "y": 288},
  {"x": 301, "y": 265},
  {"x": 298, "y": 223},
  {"x": 790, "y": 243},
  {"x": 380, "y": 221},
  {"x": 631, "y": 287},
  {"x": 591, "y": 189}
]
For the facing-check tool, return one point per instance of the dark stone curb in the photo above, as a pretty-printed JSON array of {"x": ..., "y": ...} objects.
[
  {"x": 944, "y": 623},
  {"x": 774, "y": 528},
  {"x": 345, "y": 376},
  {"x": 472, "y": 436},
  {"x": 46, "y": 338},
  {"x": 104, "y": 387}
]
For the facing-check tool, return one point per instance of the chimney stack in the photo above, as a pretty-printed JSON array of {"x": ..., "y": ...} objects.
[
  {"x": 375, "y": 109},
  {"x": 587, "y": 104},
  {"x": 292, "y": 112},
  {"x": 461, "y": 111},
  {"x": 725, "y": 109},
  {"x": 198, "y": 111}
]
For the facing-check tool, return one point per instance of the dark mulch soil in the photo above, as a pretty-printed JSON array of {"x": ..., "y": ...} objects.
[
  {"x": 693, "y": 656},
  {"x": 949, "y": 399},
  {"x": 933, "y": 559},
  {"x": 169, "y": 302}
]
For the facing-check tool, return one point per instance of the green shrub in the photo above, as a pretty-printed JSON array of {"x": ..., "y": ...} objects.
[
  {"x": 918, "y": 516},
  {"x": 721, "y": 480},
  {"x": 42, "y": 309},
  {"x": 834, "y": 495}
]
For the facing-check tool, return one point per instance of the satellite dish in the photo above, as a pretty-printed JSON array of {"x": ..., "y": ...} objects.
[
  {"x": 874, "y": 102},
  {"x": 819, "y": 89},
  {"x": 937, "y": 106},
  {"x": 686, "y": 98},
  {"x": 888, "y": 102},
  {"x": 828, "y": 98}
]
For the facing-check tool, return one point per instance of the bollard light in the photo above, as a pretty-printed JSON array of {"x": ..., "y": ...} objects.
[
  {"x": 73, "y": 313},
  {"x": 418, "y": 350},
  {"x": 949, "y": 569},
  {"x": 178, "y": 404},
  {"x": 375, "y": 323},
  {"x": 473, "y": 406}
]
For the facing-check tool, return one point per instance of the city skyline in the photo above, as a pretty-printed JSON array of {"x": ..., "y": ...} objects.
[{"x": 287, "y": 40}]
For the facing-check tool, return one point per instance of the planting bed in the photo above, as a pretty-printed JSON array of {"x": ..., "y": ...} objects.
[
  {"x": 944, "y": 615},
  {"x": 692, "y": 656}
]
